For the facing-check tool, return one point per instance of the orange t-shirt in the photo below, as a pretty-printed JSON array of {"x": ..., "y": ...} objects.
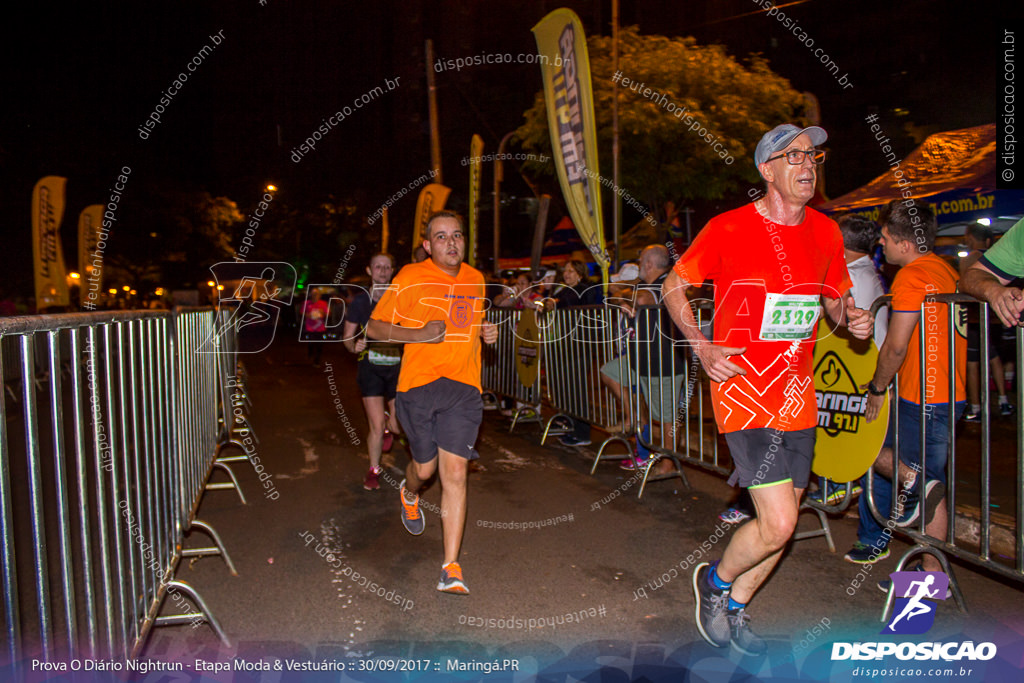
[
  {"x": 755, "y": 265},
  {"x": 930, "y": 275},
  {"x": 422, "y": 292}
]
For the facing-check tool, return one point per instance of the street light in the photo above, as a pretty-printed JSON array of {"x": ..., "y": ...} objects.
[
  {"x": 73, "y": 275},
  {"x": 271, "y": 187}
]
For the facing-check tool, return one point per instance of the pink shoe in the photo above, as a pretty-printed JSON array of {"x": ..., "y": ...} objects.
[
  {"x": 632, "y": 464},
  {"x": 370, "y": 483}
]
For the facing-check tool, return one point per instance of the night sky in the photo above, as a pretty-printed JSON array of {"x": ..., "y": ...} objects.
[{"x": 78, "y": 81}]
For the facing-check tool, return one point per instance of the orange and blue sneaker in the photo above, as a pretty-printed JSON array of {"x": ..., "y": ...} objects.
[
  {"x": 451, "y": 580},
  {"x": 412, "y": 518}
]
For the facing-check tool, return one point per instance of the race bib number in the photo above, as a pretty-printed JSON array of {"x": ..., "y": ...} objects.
[
  {"x": 385, "y": 356},
  {"x": 789, "y": 316}
]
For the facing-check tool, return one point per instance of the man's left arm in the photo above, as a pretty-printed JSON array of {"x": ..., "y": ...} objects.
[{"x": 890, "y": 357}]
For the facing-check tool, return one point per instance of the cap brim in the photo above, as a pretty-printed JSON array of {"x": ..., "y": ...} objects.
[{"x": 817, "y": 135}]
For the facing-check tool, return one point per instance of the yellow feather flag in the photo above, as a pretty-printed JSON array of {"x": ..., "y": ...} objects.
[
  {"x": 570, "y": 107},
  {"x": 476, "y": 150},
  {"x": 47, "y": 255},
  {"x": 90, "y": 258}
]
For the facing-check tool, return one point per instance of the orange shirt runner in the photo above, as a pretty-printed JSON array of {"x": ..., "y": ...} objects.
[
  {"x": 926, "y": 276},
  {"x": 768, "y": 281},
  {"x": 422, "y": 292}
]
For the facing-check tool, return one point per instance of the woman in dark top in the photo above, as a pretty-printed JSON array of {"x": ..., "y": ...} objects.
[{"x": 578, "y": 291}]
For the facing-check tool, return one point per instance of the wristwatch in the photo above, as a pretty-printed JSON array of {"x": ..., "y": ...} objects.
[{"x": 873, "y": 391}]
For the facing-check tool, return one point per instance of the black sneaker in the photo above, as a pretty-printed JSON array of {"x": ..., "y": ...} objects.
[
  {"x": 570, "y": 440},
  {"x": 972, "y": 416},
  {"x": 742, "y": 638},
  {"x": 709, "y": 612},
  {"x": 934, "y": 492},
  {"x": 1006, "y": 409},
  {"x": 862, "y": 553}
]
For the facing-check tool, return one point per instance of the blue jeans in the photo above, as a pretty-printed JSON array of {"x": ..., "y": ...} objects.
[{"x": 936, "y": 451}]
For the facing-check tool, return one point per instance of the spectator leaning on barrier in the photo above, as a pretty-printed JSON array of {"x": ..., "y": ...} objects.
[
  {"x": 438, "y": 402},
  {"x": 908, "y": 237},
  {"x": 989, "y": 279},
  {"x": 578, "y": 291},
  {"x": 656, "y": 362},
  {"x": 773, "y": 263},
  {"x": 378, "y": 366},
  {"x": 622, "y": 295},
  {"x": 978, "y": 239}
]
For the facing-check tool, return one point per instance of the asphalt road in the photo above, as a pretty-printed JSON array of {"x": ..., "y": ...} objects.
[{"x": 591, "y": 580}]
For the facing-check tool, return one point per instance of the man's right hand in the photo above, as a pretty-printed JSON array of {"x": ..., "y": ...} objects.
[
  {"x": 433, "y": 332},
  {"x": 715, "y": 360},
  {"x": 360, "y": 344},
  {"x": 1008, "y": 302}
]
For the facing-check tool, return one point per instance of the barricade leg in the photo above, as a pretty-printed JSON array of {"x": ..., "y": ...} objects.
[
  {"x": 825, "y": 530},
  {"x": 558, "y": 431},
  {"x": 221, "y": 486},
  {"x": 203, "y": 615},
  {"x": 615, "y": 438},
  {"x": 216, "y": 549}
]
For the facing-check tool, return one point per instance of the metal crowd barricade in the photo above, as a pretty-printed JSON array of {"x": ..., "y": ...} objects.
[
  {"x": 675, "y": 400},
  {"x": 649, "y": 391},
  {"x": 577, "y": 342},
  {"x": 233, "y": 425},
  {"x": 959, "y": 471},
  {"x": 106, "y": 434},
  {"x": 691, "y": 436},
  {"x": 499, "y": 374}
]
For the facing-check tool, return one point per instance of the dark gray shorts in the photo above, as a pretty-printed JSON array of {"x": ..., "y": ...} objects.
[
  {"x": 767, "y": 456},
  {"x": 443, "y": 414}
]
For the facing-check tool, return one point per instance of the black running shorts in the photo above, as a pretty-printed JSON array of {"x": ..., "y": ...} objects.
[
  {"x": 377, "y": 380},
  {"x": 763, "y": 457},
  {"x": 443, "y": 414}
]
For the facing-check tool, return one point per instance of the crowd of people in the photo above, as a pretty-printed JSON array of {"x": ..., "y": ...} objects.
[{"x": 774, "y": 267}]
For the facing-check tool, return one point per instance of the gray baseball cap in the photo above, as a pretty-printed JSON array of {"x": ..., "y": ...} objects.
[
  {"x": 628, "y": 271},
  {"x": 779, "y": 137}
]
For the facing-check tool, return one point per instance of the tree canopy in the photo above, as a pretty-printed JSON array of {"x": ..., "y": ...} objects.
[{"x": 661, "y": 158}]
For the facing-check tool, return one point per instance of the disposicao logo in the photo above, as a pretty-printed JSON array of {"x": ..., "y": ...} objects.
[{"x": 913, "y": 614}]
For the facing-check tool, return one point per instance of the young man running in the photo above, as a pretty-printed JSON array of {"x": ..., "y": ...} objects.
[{"x": 437, "y": 308}]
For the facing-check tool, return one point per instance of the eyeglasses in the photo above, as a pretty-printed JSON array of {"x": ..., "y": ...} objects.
[{"x": 796, "y": 156}]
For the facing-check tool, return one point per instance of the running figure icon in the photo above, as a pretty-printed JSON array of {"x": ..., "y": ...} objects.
[{"x": 914, "y": 606}]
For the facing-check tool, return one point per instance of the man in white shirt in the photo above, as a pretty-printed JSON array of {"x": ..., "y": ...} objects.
[{"x": 860, "y": 235}]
